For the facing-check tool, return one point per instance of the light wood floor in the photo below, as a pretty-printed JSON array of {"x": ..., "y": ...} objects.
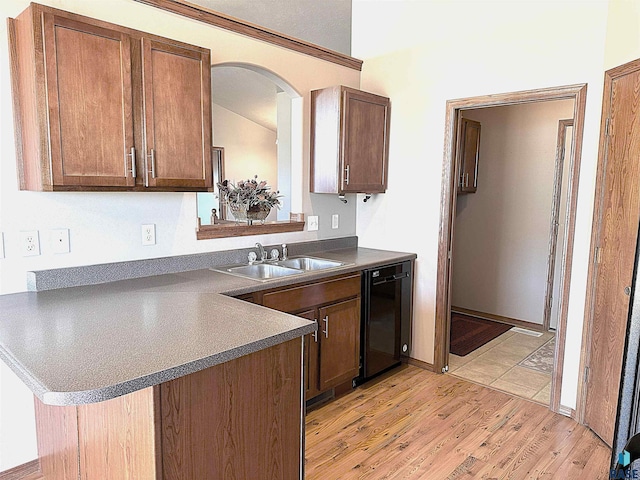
[{"x": 419, "y": 425}]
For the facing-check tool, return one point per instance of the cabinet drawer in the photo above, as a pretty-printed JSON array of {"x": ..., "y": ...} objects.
[{"x": 303, "y": 297}]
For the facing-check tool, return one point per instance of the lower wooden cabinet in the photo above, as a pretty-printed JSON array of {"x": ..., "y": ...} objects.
[
  {"x": 332, "y": 353},
  {"x": 240, "y": 419}
]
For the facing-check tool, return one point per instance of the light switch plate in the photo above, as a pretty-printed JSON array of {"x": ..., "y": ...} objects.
[
  {"x": 335, "y": 220},
  {"x": 60, "y": 240},
  {"x": 312, "y": 223}
]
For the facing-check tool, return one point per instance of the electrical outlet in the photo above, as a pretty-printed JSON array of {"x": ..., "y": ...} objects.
[
  {"x": 30, "y": 243},
  {"x": 313, "y": 223},
  {"x": 335, "y": 220},
  {"x": 60, "y": 240},
  {"x": 149, "y": 234}
]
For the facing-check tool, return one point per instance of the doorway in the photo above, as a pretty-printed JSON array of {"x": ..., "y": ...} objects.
[{"x": 455, "y": 111}]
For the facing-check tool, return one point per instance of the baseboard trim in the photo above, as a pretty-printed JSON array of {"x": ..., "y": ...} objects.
[
  {"x": 567, "y": 412},
  {"x": 26, "y": 471},
  {"x": 420, "y": 364},
  {"x": 538, "y": 327}
]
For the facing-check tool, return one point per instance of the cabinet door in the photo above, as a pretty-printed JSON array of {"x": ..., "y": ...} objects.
[
  {"x": 90, "y": 104},
  {"x": 177, "y": 109},
  {"x": 468, "y": 155},
  {"x": 310, "y": 359},
  {"x": 365, "y": 147},
  {"x": 339, "y": 332}
]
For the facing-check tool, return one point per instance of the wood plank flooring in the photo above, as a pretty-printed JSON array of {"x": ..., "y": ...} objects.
[{"x": 415, "y": 424}]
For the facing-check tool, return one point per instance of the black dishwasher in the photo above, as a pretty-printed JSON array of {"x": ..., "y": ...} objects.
[{"x": 386, "y": 318}]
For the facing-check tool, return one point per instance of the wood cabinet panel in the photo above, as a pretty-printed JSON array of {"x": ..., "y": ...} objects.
[
  {"x": 365, "y": 151},
  {"x": 303, "y": 297},
  {"x": 332, "y": 355},
  {"x": 57, "y": 436},
  {"x": 111, "y": 439},
  {"x": 349, "y": 141},
  {"x": 468, "y": 155},
  {"x": 340, "y": 343},
  {"x": 117, "y": 438},
  {"x": 310, "y": 358},
  {"x": 98, "y": 106},
  {"x": 178, "y": 125},
  {"x": 212, "y": 428}
]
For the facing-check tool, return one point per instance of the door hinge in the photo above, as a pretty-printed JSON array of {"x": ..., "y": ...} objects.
[
  {"x": 607, "y": 125},
  {"x": 586, "y": 374},
  {"x": 597, "y": 257}
]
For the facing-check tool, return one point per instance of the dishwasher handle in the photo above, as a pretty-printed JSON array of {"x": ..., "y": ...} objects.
[{"x": 391, "y": 278}]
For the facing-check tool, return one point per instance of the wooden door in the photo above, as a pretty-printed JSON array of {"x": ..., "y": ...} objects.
[
  {"x": 90, "y": 104},
  {"x": 365, "y": 148},
  {"x": 339, "y": 332},
  {"x": 177, "y": 96},
  {"x": 614, "y": 239},
  {"x": 310, "y": 358},
  {"x": 468, "y": 154}
]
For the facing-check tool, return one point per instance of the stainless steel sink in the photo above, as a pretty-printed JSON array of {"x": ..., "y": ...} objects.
[
  {"x": 260, "y": 271},
  {"x": 310, "y": 263}
]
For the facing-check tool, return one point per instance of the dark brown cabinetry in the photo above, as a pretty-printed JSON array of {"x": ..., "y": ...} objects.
[
  {"x": 332, "y": 353},
  {"x": 349, "y": 141},
  {"x": 102, "y": 107},
  {"x": 468, "y": 154},
  {"x": 239, "y": 419}
]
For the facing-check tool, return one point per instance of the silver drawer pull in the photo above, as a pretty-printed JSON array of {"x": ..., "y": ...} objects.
[
  {"x": 133, "y": 161},
  {"x": 152, "y": 155},
  {"x": 326, "y": 328}
]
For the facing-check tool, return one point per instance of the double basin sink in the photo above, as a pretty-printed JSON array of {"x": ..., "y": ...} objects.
[{"x": 270, "y": 270}]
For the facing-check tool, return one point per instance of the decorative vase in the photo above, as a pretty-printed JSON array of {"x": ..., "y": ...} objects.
[
  {"x": 239, "y": 211},
  {"x": 257, "y": 212}
]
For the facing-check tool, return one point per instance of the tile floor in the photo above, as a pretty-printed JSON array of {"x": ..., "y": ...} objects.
[{"x": 495, "y": 364}]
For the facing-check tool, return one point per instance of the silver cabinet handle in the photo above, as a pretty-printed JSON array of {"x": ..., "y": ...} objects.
[
  {"x": 466, "y": 180},
  {"x": 326, "y": 323},
  {"x": 346, "y": 180},
  {"x": 133, "y": 161},
  {"x": 153, "y": 163},
  {"x": 315, "y": 334}
]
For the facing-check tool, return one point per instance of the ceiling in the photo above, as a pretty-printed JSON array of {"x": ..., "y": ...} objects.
[
  {"x": 326, "y": 23},
  {"x": 246, "y": 93},
  {"x": 323, "y": 22}
]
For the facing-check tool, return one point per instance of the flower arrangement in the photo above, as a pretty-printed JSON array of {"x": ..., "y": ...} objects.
[{"x": 251, "y": 193}]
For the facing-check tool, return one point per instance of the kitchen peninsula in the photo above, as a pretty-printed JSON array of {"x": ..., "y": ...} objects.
[{"x": 166, "y": 376}]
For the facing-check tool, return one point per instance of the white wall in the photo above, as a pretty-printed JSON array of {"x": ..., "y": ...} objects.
[
  {"x": 501, "y": 240},
  {"x": 422, "y": 53},
  {"x": 105, "y": 227}
]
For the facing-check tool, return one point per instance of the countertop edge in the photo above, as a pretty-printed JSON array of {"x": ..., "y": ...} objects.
[{"x": 157, "y": 378}]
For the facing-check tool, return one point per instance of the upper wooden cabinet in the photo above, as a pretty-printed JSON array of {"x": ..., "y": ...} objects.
[
  {"x": 349, "y": 141},
  {"x": 468, "y": 154},
  {"x": 102, "y": 107}
]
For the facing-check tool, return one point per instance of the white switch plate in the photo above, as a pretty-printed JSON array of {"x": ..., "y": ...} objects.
[
  {"x": 149, "y": 234},
  {"x": 335, "y": 220},
  {"x": 60, "y": 240},
  {"x": 1, "y": 245},
  {"x": 30, "y": 243},
  {"x": 313, "y": 223}
]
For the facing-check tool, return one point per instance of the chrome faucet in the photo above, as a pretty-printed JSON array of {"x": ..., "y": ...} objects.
[{"x": 262, "y": 251}]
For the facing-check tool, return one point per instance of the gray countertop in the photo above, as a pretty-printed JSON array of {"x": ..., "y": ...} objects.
[{"x": 91, "y": 343}]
